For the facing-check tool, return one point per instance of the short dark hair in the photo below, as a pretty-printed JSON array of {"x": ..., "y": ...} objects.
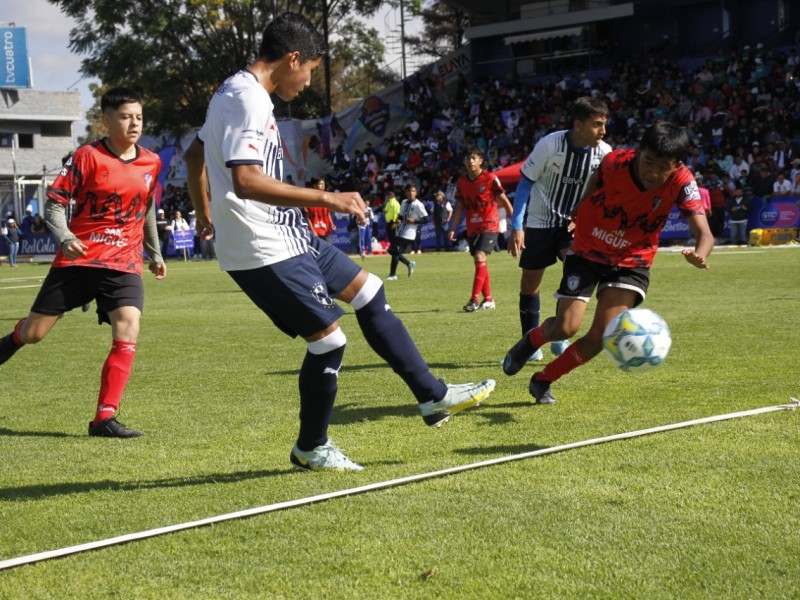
[
  {"x": 666, "y": 141},
  {"x": 116, "y": 97},
  {"x": 587, "y": 107},
  {"x": 473, "y": 149},
  {"x": 291, "y": 32}
]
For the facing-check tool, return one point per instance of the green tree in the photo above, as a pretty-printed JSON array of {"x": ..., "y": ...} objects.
[
  {"x": 178, "y": 51},
  {"x": 443, "y": 28}
]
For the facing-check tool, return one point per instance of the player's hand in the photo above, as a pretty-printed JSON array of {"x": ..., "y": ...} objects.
[
  {"x": 516, "y": 243},
  {"x": 451, "y": 236},
  {"x": 350, "y": 203},
  {"x": 204, "y": 227},
  {"x": 74, "y": 249},
  {"x": 158, "y": 269},
  {"x": 694, "y": 259}
]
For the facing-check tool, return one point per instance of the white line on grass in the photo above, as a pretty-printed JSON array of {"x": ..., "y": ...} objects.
[{"x": 250, "y": 512}]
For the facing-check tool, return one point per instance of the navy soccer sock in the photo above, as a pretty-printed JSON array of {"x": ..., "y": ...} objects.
[
  {"x": 529, "y": 308},
  {"x": 390, "y": 339},
  {"x": 318, "y": 384}
]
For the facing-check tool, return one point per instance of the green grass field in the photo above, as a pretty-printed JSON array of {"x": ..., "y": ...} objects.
[{"x": 709, "y": 511}]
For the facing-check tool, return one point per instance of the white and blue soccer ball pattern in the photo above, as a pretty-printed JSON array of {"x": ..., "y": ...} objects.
[{"x": 637, "y": 340}]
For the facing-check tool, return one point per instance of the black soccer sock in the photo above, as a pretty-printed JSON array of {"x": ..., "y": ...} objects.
[
  {"x": 529, "y": 309},
  {"x": 318, "y": 384},
  {"x": 390, "y": 339}
]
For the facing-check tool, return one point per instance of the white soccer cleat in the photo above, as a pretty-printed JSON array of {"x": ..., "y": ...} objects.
[
  {"x": 487, "y": 305},
  {"x": 558, "y": 348},
  {"x": 458, "y": 397},
  {"x": 323, "y": 458}
]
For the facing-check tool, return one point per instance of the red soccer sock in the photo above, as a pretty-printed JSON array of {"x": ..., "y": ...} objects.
[
  {"x": 562, "y": 365},
  {"x": 487, "y": 287},
  {"x": 536, "y": 337},
  {"x": 114, "y": 378},
  {"x": 17, "y": 332},
  {"x": 481, "y": 275}
]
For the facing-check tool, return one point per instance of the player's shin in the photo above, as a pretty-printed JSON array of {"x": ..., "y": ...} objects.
[
  {"x": 319, "y": 381},
  {"x": 113, "y": 379},
  {"x": 388, "y": 337}
]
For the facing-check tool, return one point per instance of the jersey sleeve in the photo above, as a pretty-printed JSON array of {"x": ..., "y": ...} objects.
[
  {"x": 67, "y": 182},
  {"x": 534, "y": 165},
  {"x": 245, "y": 134},
  {"x": 689, "y": 200}
]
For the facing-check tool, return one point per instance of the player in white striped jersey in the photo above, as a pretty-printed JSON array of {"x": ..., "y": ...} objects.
[
  {"x": 263, "y": 242},
  {"x": 554, "y": 179}
]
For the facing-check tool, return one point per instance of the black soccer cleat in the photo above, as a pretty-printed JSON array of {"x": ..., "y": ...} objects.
[
  {"x": 518, "y": 355},
  {"x": 113, "y": 429},
  {"x": 7, "y": 347},
  {"x": 540, "y": 390}
]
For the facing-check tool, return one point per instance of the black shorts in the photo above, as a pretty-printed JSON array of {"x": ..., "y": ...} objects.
[
  {"x": 581, "y": 276},
  {"x": 543, "y": 247},
  {"x": 297, "y": 293},
  {"x": 400, "y": 246},
  {"x": 66, "y": 288},
  {"x": 483, "y": 241}
]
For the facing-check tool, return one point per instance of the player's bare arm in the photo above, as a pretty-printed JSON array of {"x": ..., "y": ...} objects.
[
  {"x": 698, "y": 225},
  {"x": 197, "y": 184},
  {"x": 250, "y": 182},
  {"x": 504, "y": 203}
]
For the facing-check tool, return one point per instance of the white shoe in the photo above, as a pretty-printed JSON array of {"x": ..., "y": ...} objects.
[
  {"x": 487, "y": 305},
  {"x": 391, "y": 278},
  {"x": 538, "y": 355},
  {"x": 558, "y": 348},
  {"x": 458, "y": 397},
  {"x": 323, "y": 458}
]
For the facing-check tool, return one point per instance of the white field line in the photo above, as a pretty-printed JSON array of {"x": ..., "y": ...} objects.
[{"x": 149, "y": 533}]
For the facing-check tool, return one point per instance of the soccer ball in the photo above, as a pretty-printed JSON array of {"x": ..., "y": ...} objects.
[{"x": 637, "y": 340}]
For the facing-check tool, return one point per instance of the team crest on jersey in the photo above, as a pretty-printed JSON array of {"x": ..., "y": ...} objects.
[
  {"x": 321, "y": 295},
  {"x": 573, "y": 282},
  {"x": 656, "y": 202}
]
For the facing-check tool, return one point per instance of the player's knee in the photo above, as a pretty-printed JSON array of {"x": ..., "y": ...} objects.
[
  {"x": 333, "y": 341},
  {"x": 372, "y": 288}
]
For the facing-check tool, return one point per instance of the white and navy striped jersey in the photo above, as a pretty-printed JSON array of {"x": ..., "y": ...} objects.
[
  {"x": 240, "y": 129},
  {"x": 411, "y": 210},
  {"x": 560, "y": 172}
]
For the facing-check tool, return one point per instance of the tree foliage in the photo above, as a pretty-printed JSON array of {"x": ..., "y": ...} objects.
[
  {"x": 443, "y": 28},
  {"x": 178, "y": 51}
]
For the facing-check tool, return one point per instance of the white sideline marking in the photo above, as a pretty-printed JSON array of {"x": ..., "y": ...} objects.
[{"x": 149, "y": 533}]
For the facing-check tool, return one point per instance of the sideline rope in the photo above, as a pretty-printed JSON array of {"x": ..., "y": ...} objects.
[{"x": 149, "y": 533}]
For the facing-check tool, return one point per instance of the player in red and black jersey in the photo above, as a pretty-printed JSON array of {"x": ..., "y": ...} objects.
[
  {"x": 616, "y": 237},
  {"x": 112, "y": 182},
  {"x": 478, "y": 194}
]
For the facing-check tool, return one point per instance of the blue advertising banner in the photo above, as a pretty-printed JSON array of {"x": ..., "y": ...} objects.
[
  {"x": 184, "y": 240},
  {"x": 16, "y": 72}
]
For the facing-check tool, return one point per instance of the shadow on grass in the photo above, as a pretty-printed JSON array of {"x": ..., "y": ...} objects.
[
  {"x": 54, "y": 434},
  {"x": 443, "y": 366},
  {"x": 348, "y": 414},
  {"x": 38, "y": 492}
]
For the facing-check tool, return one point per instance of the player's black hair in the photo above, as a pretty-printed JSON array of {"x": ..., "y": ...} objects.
[
  {"x": 291, "y": 32},
  {"x": 665, "y": 140},
  {"x": 587, "y": 107},
  {"x": 116, "y": 97},
  {"x": 408, "y": 186},
  {"x": 471, "y": 149}
]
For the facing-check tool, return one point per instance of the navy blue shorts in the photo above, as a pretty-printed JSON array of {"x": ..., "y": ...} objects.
[
  {"x": 66, "y": 288},
  {"x": 483, "y": 241},
  {"x": 581, "y": 276},
  {"x": 543, "y": 247},
  {"x": 297, "y": 293}
]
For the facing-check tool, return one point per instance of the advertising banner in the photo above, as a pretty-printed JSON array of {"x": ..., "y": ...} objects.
[{"x": 16, "y": 71}]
